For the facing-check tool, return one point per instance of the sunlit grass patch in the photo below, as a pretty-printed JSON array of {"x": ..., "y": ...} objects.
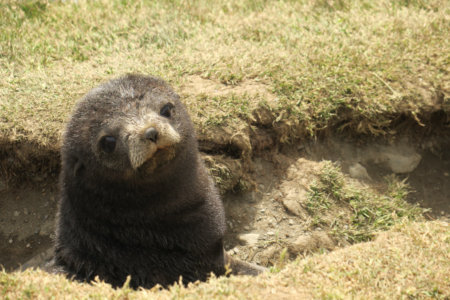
[{"x": 355, "y": 214}]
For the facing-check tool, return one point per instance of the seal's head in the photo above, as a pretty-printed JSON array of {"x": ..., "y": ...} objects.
[{"x": 126, "y": 128}]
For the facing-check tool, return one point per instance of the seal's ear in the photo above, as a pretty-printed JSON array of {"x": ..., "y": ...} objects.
[{"x": 78, "y": 167}]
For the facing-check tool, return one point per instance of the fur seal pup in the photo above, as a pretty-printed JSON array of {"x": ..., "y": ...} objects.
[{"x": 136, "y": 198}]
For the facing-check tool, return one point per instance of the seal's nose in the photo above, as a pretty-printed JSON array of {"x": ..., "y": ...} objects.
[{"x": 151, "y": 134}]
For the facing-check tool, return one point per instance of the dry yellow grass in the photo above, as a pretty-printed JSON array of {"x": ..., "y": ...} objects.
[{"x": 411, "y": 261}]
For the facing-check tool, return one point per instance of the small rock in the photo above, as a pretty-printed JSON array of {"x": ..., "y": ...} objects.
[
  {"x": 270, "y": 233},
  {"x": 36, "y": 231},
  {"x": 312, "y": 242},
  {"x": 247, "y": 228},
  {"x": 446, "y": 174},
  {"x": 261, "y": 187},
  {"x": 402, "y": 163},
  {"x": 303, "y": 243},
  {"x": 345, "y": 227},
  {"x": 250, "y": 239},
  {"x": 230, "y": 252},
  {"x": 263, "y": 210},
  {"x": 318, "y": 229},
  {"x": 16, "y": 213},
  {"x": 52, "y": 198},
  {"x": 236, "y": 250},
  {"x": 45, "y": 204},
  {"x": 358, "y": 171},
  {"x": 291, "y": 222},
  {"x": 28, "y": 245},
  {"x": 25, "y": 211},
  {"x": 10, "y": 241},
  {"x": 442, "y": 213}
]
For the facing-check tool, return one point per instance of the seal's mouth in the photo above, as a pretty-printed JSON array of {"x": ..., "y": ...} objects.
[
  {"x": 150, "y": 141},
  {"x": 161, "y": 157}
]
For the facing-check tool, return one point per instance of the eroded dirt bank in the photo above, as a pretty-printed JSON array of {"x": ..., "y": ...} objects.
[{"x": 273, "y": 209}]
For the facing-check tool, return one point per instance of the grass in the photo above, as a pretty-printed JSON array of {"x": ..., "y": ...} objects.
[
  {"x": 349, "y": 66},
  {"x": 354, "y": 214},
  {"x": 410, "y": 261}
]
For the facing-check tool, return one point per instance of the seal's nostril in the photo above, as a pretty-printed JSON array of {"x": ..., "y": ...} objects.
[{"x": 151, "y": 134}]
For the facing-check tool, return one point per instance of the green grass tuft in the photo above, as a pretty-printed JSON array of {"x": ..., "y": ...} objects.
[{"x": 356, "y": 214}]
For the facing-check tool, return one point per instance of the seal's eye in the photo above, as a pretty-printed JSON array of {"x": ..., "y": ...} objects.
[
  {"x": 108, "y": 144},
  {"x": 165, "y": 111}
]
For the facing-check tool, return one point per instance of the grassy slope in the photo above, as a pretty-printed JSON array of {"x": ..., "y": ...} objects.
[
  {"x": 354, "y": 64},
  {"x": 411, "y": 261}
]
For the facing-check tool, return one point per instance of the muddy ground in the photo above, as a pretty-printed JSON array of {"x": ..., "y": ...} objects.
[{"x": 271, "y": 216}]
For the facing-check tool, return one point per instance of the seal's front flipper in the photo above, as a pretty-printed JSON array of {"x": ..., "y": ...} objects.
[{"x": 239, "y": 267}]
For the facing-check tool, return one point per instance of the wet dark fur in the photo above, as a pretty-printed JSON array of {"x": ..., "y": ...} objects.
[{"x": 154, "y": 225}]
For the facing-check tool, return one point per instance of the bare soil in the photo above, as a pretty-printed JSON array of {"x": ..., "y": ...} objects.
[
  {"x": 274, "y": 210},
  {"x": 27, "y": 217}
]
